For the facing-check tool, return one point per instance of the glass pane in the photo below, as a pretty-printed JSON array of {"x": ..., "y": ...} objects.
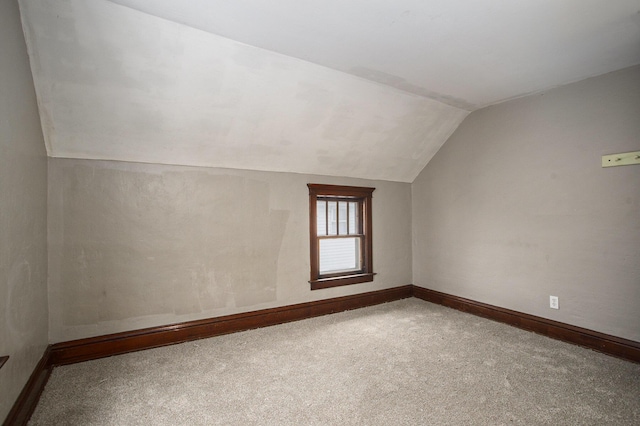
[
  {"x": 342, "y": 218},
  {"x": 353, "y": 218},
  {"x": 339, "y": 254},
  {"x": 321, "y": 217},
  {"x": 333, "y": 219}
]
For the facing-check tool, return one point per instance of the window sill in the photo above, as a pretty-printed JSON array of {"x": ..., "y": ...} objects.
[{"x": 342, "y": 280}]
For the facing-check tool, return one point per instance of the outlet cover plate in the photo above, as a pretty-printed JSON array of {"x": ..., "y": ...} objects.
[{"x": 553, "y": 302}]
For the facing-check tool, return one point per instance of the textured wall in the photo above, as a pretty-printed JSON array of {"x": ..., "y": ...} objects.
[
  {"x": 135, "y": 245},
  {"x": 23, "y": 210},
  {"x": 516, "y": 207}
]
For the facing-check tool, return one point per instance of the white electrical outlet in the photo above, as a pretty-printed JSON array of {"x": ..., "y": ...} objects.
[{"x": 553, "y": 302}]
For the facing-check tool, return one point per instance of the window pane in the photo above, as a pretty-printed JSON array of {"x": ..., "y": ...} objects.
[
  {"x": 333, "y": 219},
  {"x": 321, "y": 217},
  {"x": 342, "y": 218},
  {"x": 353, "y": 218},
  {"x": 339, "y": 254}
]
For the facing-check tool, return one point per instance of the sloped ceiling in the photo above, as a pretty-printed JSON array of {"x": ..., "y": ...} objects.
[
  {"x": 367, "y": 89},
  {"x": 466, "y": 53}
]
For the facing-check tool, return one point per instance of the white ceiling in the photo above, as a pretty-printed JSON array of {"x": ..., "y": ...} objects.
[
  {"x": 357, "y": 88},
  {"x": 466, "y": 53}
]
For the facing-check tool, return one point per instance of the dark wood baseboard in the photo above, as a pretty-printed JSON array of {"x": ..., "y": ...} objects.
[
  {"x": 130, "y": 341},
  {"x": 114, "y": 344},
  {"x": 119, "y": 343},
  {"x": 611, "y": 345},
  {"x": 28, "y": 398}
]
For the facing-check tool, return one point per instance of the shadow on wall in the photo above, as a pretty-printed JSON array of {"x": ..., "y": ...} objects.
[{"x": 137, "y": 244}]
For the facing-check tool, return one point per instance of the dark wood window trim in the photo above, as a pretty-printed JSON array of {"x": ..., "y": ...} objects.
[{"x": 363, "y": 196}]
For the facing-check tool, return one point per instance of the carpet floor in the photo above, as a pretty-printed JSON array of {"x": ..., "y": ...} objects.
[{"x": 402, "y": 363}]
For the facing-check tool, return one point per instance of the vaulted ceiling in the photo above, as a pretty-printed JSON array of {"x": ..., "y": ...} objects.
[{"x": 360, "y": 88}]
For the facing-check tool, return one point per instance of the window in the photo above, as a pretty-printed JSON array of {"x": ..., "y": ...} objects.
[{"x": 340, "y": 235}]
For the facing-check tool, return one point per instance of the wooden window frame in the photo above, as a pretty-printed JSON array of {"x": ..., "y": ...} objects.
[{"x": 363, "y": 196}]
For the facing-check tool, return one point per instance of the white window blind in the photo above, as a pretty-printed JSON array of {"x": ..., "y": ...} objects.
[{"x": 339, "y": 254}]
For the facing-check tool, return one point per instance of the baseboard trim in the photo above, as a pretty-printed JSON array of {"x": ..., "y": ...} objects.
[
  {"x": 28, "y": 398},
  {"x": 130, "y": 341},
  {"x": 610, "y": 345}
]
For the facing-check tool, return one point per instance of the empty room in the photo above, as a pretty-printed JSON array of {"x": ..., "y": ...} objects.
[{"x": 319, "y": 212}]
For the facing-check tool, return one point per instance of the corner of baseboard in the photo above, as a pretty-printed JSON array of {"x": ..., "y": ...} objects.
[{"x": 608, "y": 344}]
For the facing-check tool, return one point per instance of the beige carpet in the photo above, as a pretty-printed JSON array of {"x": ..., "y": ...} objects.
[{"x": 402, "y": 363}]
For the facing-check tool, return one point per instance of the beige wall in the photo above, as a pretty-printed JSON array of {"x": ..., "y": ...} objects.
[
  {"x": 516, "y": 207},
  {"x": 23, "y": 210},
  {"x": 137, "y": 245}
]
